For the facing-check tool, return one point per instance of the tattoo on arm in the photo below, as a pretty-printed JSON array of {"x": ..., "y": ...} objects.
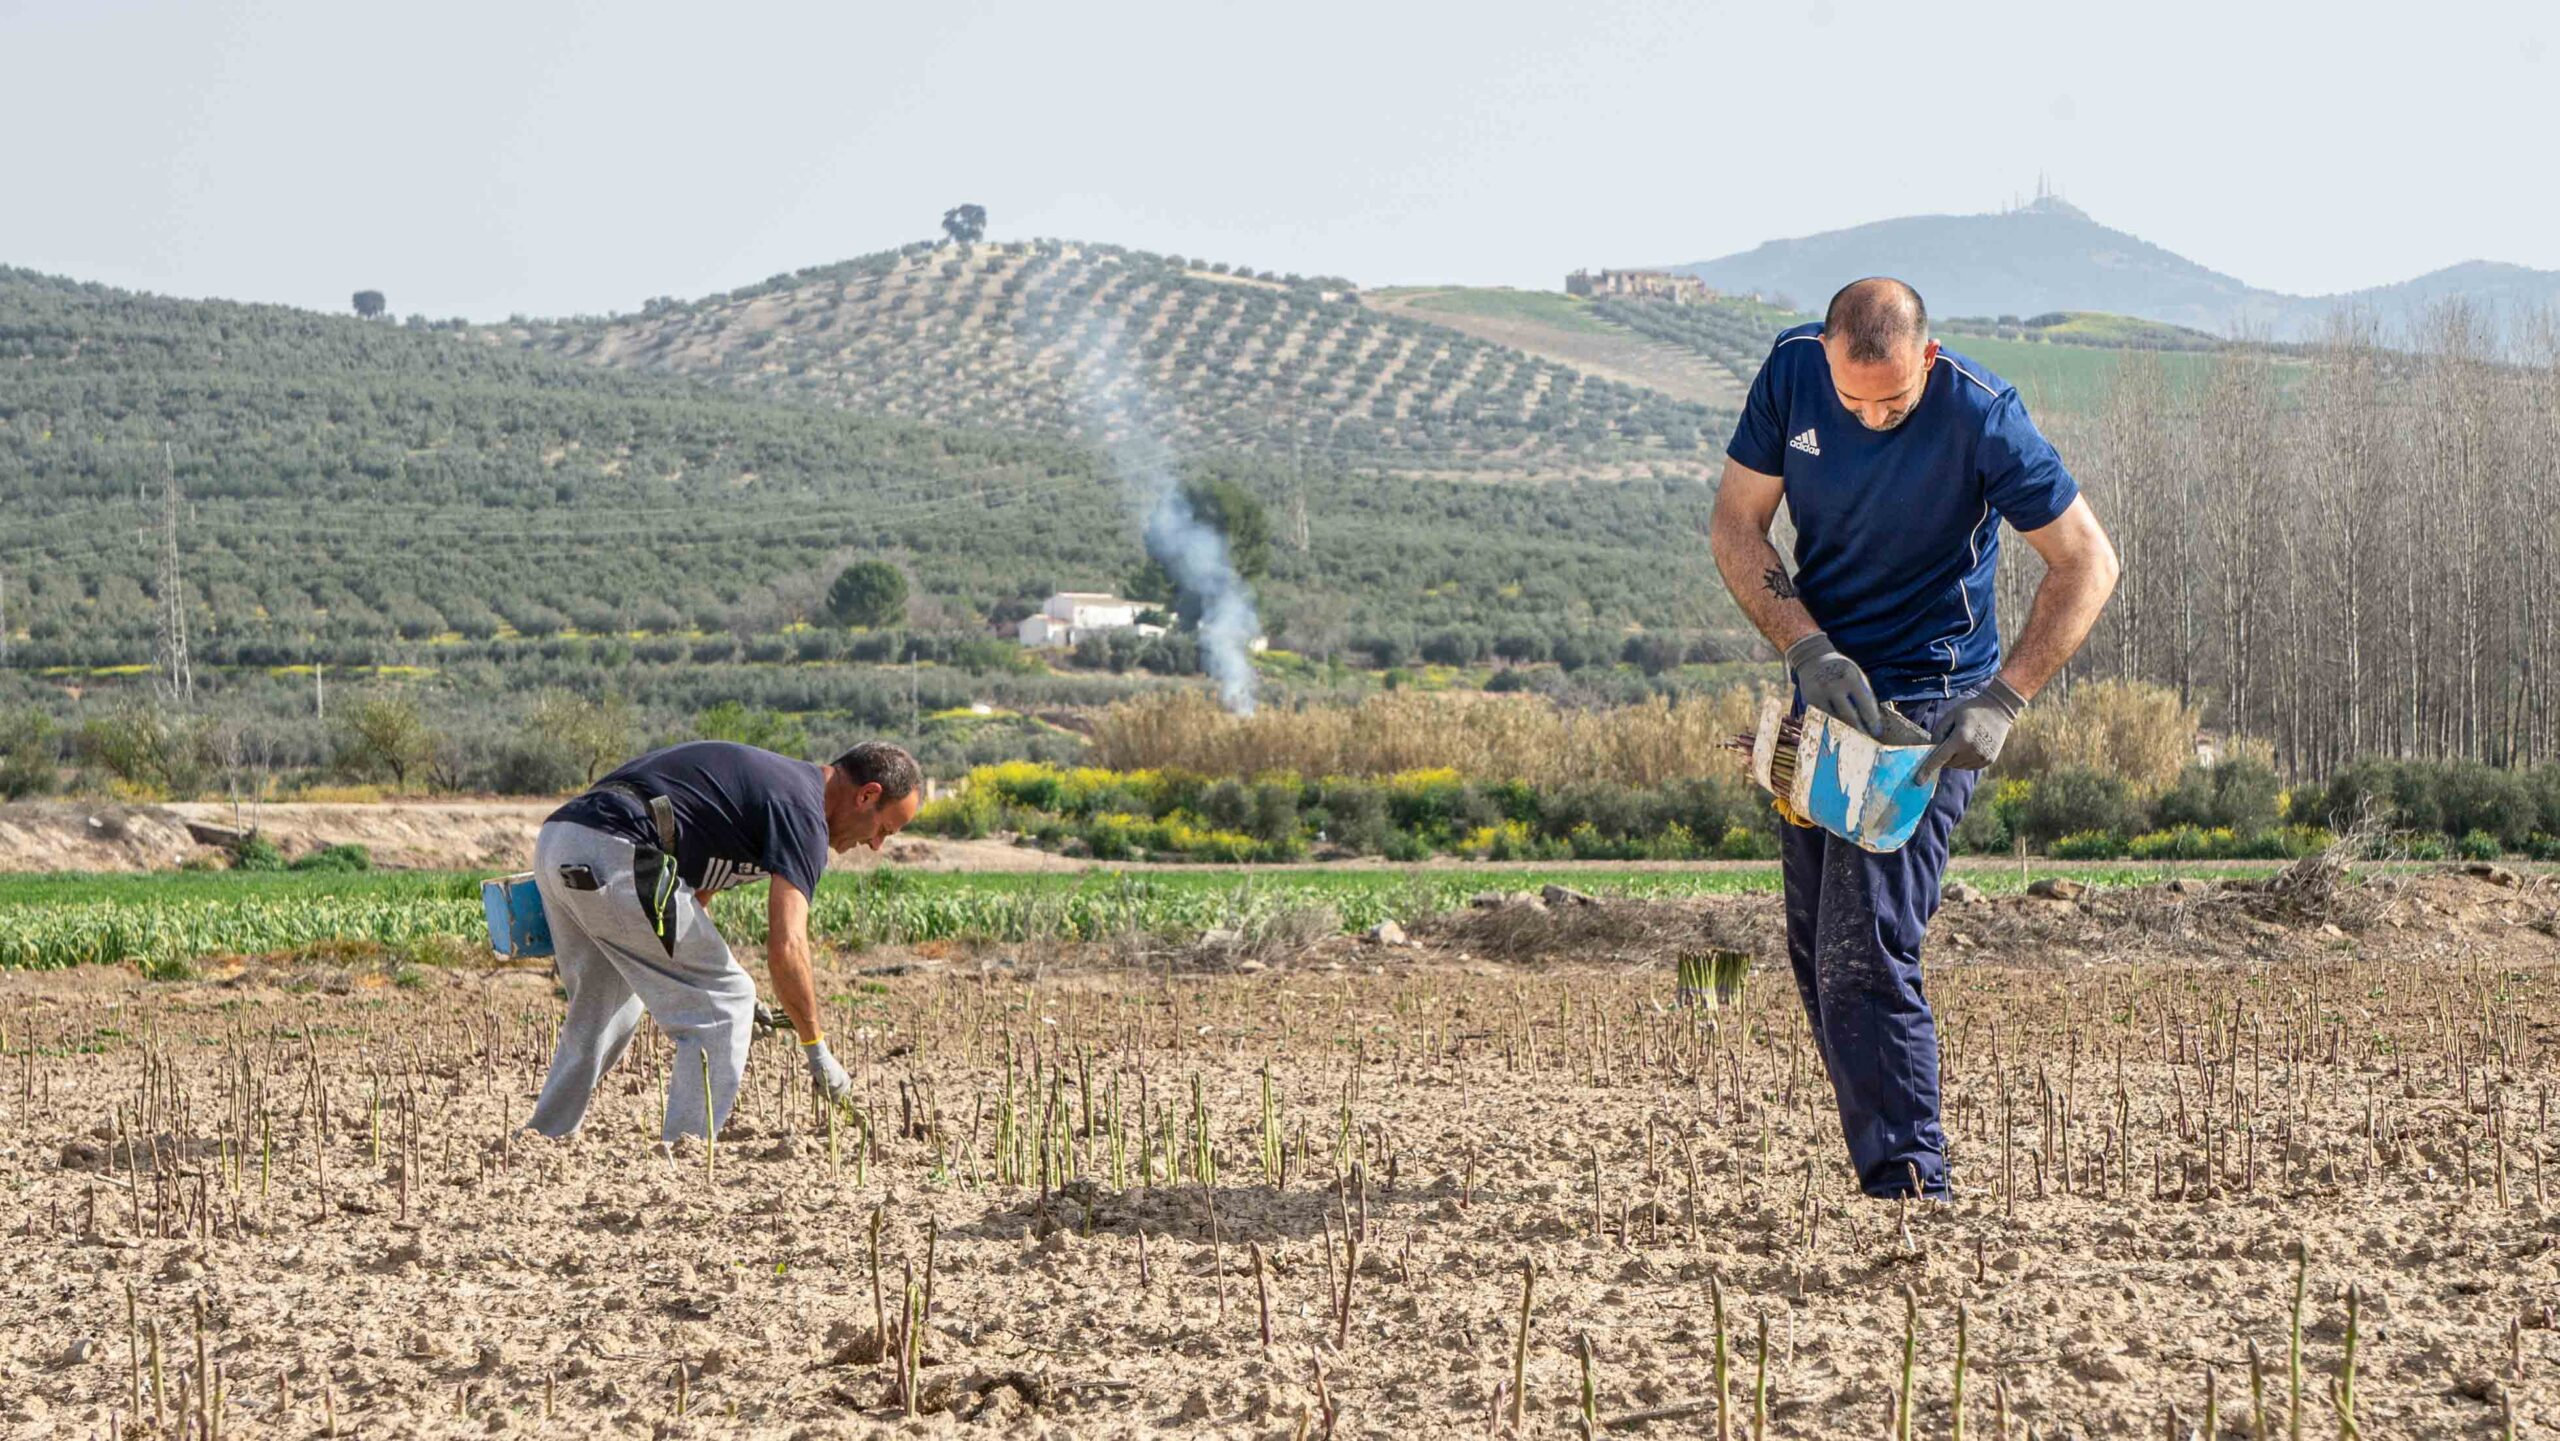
[{"x": 1778, "y": 584}]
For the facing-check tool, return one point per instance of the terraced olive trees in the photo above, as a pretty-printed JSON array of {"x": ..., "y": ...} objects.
[{"x": 1014, "y": 335}]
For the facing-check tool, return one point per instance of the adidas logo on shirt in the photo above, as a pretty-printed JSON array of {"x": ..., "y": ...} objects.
[{"x": 1806, "y": 443}]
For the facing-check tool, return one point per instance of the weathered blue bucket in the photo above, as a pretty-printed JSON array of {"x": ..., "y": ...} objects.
[
  {"x": 1859, "y": 790},
  {"x": 518, "y": 929}
]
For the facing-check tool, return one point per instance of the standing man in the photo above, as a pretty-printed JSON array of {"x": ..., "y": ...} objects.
[
  {"x": 624, "y": 870},
  {"x": 1898, "y": 462}
]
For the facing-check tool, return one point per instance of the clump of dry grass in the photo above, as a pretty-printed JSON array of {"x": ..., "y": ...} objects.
[
  {"x": 2140, "y": 732},
  {"x": 1482, "y": 737},
  {"x": 1282, "y": 938},
  {"x": 1642, "y": 932},
  {"x": 2126, "y": 728},
  {"x": 2319, "y": 888}
]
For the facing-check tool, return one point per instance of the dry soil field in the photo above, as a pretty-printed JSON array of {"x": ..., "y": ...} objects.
[{"x": 1099, "y": 1192}]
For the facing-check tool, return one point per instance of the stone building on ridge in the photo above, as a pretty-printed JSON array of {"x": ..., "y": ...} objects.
[{"x": 1639, "y": 285}]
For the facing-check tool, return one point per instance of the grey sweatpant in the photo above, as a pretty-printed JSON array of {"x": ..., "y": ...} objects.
[{"x": 615, "y": 964}]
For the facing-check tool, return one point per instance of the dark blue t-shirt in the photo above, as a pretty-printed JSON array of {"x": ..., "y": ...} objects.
[
  {"x": 741, "y": 813},
  {"x": 1898, "y": 531}
]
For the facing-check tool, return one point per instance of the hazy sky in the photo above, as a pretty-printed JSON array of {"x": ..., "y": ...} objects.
[{"x": 477, "y": 159}]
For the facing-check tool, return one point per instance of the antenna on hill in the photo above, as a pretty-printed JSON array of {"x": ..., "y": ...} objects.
[{"x": 179, "y": 679}]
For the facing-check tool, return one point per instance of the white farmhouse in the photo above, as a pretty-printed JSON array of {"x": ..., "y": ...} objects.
[{"x": 1071, "y": 615}]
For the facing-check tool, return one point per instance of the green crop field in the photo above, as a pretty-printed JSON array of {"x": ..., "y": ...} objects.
[
  {"x": 2069, "y": 377},
  {"x": 168, "y": 922},
  {"x": 2069, "y": 367},
  {"x": 2090, "y": 327},
  {"x": 1547, "y": 307}
]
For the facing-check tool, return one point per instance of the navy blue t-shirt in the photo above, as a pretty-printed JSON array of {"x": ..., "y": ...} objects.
[
  {"x": 741, "y": 813},
  {"x": 1898, "y": 531}
]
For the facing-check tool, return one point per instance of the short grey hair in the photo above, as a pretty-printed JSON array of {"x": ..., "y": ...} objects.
[
  {"x": 1874, "y": 316},
  {"x": 884, "y": 765}
]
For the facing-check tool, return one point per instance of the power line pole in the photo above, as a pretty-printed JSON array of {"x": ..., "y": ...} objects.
[
  {"x": 1297, "y": 486},
  {"x": 319, "y": 691},
  {"x": 179, "y": 677},
  {"x": 4, "y": 615}
]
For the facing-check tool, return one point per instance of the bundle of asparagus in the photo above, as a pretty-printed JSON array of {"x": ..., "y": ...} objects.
[{"x": 1712, "y": 979}]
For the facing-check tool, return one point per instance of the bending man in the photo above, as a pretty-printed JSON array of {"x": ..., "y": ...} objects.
[
  {"x": 624, "y": 870},
  {"x": 1898, "y": 462}
]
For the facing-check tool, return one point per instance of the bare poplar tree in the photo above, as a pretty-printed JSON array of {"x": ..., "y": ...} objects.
[{"x": 2346, "y": 550}]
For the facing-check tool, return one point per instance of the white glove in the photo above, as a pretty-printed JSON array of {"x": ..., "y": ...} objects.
[{"x": 824, "y": 1072}]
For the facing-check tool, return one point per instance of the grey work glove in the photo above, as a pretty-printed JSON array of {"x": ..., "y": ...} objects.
[
  {"x": 825, "y": 1073},
  {"x": 1971, "y": 732},
  {"x": 1833, "y": 684}
]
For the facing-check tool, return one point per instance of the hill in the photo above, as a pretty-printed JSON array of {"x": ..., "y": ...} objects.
[
  {"x": 354, "y": 484},
  {"x": 2494, "y": 286},
  {"x": 363, "y": 493},
  {"x": 2052, "y": 256},
  {"x": 1066, "y": 339}
]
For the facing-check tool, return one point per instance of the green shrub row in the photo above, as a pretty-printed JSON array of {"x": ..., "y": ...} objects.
[
  {"x": 257, "y": 853},
  {"x": 2239, "y": 810}
]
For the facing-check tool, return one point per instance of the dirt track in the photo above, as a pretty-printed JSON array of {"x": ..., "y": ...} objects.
[
  {"x": 429, "y": 835},
  {"x": 497, "y": 835},
  {"x": 2142, "y": 1130}
]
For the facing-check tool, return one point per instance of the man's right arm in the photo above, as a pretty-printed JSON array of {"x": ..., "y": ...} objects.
[
  {"x": 786, "y": 959},
  {"x": 1738, "y": 535}
]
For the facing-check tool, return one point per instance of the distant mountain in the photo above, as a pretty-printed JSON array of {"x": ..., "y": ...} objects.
[
  {"x": 2051, "y": 256},
  {"x": 2492, "y": 284}
]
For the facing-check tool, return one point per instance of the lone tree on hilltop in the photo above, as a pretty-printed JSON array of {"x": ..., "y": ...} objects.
[
  {"x": 868, "y": 593},
  {"x": 965, "y": 224},
  {"x": 369, "y": 303}
]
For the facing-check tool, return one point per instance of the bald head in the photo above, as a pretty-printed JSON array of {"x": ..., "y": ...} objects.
[
  {"x": 1876, "y": 321},
  {"x": 1876, "y": 339}
]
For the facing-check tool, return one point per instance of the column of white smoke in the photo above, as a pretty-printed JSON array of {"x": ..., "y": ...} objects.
[
  {"x": 1195, "y": 556},
  {"x": 1114, "y": 400}
]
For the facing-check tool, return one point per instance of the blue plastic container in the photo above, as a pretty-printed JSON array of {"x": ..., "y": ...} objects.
[{"x": 518, "y": 929}]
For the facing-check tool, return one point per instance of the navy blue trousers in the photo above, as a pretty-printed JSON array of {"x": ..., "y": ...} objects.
[{"x": 1855, "y": 921}]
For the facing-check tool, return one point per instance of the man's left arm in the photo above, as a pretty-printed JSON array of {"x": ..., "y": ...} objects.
[{"x": 2080, "y": 570}]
